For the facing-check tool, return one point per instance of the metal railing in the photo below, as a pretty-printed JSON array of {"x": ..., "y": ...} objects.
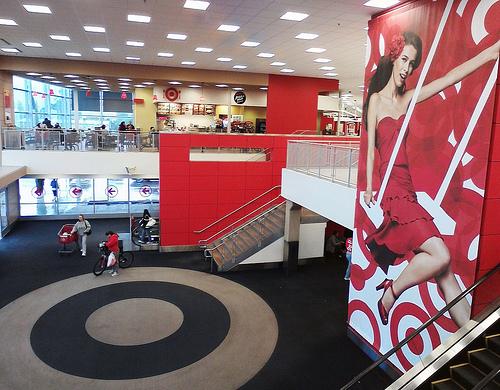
[
  {"x": 231, "y": 213},
  {"x": 325, "y": 160},
  {"x": 230, "y": 236},
  {"x": 69, "y": 139},
  {"x": 417, "y": 331}
]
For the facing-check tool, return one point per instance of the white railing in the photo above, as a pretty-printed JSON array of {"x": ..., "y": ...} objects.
[
  {"x": 326, "y": 160},
  {"x": 68, "y": 139}
]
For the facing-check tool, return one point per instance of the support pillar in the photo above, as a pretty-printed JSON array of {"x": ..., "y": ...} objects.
[{"x": 291, "y": 242}]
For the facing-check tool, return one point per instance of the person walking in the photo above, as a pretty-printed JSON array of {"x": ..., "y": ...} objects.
[
  {"x": 83, "y": 227},
  {"x": 114, "y": 248}
]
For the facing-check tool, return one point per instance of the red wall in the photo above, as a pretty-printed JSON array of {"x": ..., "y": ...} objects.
[
  {"x": 194, "y": 194},
  {"x": 489, "y": 247},
  {"x": 292, "y": 102}
]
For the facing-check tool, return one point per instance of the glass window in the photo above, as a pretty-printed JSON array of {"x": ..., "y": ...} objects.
[{"x": 21, "y": 83}]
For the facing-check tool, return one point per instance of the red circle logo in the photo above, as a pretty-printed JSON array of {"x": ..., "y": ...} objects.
[{"x": 172, "y": 94}]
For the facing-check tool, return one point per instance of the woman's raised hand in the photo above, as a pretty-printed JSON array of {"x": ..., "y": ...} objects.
[{"x": 368, "y": 198}]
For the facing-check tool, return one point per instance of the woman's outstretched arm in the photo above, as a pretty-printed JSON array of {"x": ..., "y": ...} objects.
[
  {"x": 370, "y": 154},
  {"x": 459, "y": 73}
]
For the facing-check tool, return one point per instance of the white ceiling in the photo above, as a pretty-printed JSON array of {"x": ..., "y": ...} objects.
[{"x": 339, "y": 24}]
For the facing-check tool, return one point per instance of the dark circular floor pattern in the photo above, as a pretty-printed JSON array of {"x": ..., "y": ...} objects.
[
  {"x": 52, "y": 321},
  {"x": 59, "y": 337}
]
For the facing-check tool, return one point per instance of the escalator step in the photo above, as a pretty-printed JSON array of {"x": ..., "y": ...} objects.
[
  {"x": 484, "y": 360},
  {"x": 467, "y": 377},
  {"x": 493, "y": 343},
  {"x": 446, "y": 384}
]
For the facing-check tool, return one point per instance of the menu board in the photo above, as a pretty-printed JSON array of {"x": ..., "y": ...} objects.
[
  {"x": 187, "y": 109},
  {"x": 163, "y": 108},
  {"x": 209, "y": 109},
  {"x": 198, "y": 109},
  {"x": 175, "y": 109}
]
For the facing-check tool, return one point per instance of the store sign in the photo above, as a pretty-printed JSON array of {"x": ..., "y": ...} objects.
[
  {"x": 171, "y": 94},
  {"x": 240, "y": 97}
]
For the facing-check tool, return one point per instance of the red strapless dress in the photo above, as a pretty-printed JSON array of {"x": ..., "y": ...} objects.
[{"x": 406, "y": 225}]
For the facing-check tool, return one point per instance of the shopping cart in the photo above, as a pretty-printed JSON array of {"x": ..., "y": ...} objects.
[{"x": 66, "y": 237}]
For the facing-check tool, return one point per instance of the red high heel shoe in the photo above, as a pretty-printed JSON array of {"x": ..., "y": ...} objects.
[{"x": 384, "y": 314}]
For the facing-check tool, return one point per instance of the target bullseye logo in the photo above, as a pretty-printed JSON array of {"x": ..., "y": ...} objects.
[{"x": 172, "y": 94}]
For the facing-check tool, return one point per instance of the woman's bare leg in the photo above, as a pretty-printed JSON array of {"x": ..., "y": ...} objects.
[{"x": 432, "y": 262}]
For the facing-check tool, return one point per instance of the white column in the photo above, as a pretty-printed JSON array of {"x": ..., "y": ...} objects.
[
  {"x": 229, "y": 111},
  {"x": 75, "y": 109}
]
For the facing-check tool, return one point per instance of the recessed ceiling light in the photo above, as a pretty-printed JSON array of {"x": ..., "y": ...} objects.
[
  {"x": 124, "y": 79},
  {"x": 69, "y": 86},
  {"x": 10, "y": 50},
  {"x": 294, "y": 16},
  {"x": 94, "y": 29},
  {"x": 139, "y": 86},
  {"x": 102, "y": 84},
  {"x": 194, "y": 86},
  {"x": 139, "y": 18},
  {"x": 70, "y": 54},
  {"x": 135, "y": 43},
  {"x": 33, "y": 74},
  {"x": 32, "y": 44},
  {"x": 228, "y": 28},
  {"x": 196, "y": 4},
  {"x": 307, "y": 36},
  {"x": 238, "y": 89},
  {"x": 221, "y": 85},
  {"x": 39, "y": 9},
  {"x": 177, "y": 37},
  {"x": 188, "y": 63},
  {"x": 8, "y": 22},
  {"x": 175, "y": 83},
  {"x": 327, "y": 68},
  {"x": 101, "y": 49},
  {"x": 60, "y": 37},
  {"x": 287, "y": 70},
  {"x": 129, "y": 58},
  {"x": 263, "y": 88},
  {"x": 278, "y": 63},
  {"x": 148, "y": 83},
  {"x": 265, "y": 55},
  {"x": 100, "y": 81},
  {"x": 361, "y": 86},
  {"x": 316, "y": 50},
  {"x": 71, "y": 76},
  {"x": 162, "y": 54},
  {"x": 381, "y": 3},
  {"x": 48, "y": 77},
  {"x": 224, "y": 59},
  {"x": 239, "y": 67},
  {"x": 204, "y": 49},
  {"x": 322, "y": 60},
  {"x": 84, "y": 87},
  {"x": 250, "y": 44},
  {"x": 124, "y": 85},
  {"x": 331, "y": 74},
  {"x": 74, "y": 81}
]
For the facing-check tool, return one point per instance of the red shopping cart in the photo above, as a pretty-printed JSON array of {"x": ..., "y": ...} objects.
[{"x": 67, "y": 238}]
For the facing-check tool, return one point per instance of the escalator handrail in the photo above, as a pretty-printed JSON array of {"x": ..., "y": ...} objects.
[
  {"x": 487, "y": 379},
  {"x": 422, "y": 327}
]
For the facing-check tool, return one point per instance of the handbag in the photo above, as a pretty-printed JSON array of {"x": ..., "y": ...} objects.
[
  {"x": 111, "y": 259},
  {"x": 151, "y": 222},
  {"x": 88, "y": 232}
]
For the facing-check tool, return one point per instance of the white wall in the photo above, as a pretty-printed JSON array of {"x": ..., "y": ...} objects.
[
  {"x": 311, "y": 245},
  {"x": 95, "y": 164},
  {"x": 330, "y": 200}
]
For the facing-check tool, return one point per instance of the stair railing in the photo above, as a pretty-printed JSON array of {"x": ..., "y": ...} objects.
[
  {"x": 234, "y": 232},
  {"x": 245, "y": 217},
  {"x": 417, "y": 331},
  {"x": 231, "y": 213}
]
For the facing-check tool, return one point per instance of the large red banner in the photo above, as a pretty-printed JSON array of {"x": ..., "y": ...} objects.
[{"x": 422, "y": 170}]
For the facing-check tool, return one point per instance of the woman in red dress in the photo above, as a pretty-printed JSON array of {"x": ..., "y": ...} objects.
[{"x": 407, "y": 226}]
